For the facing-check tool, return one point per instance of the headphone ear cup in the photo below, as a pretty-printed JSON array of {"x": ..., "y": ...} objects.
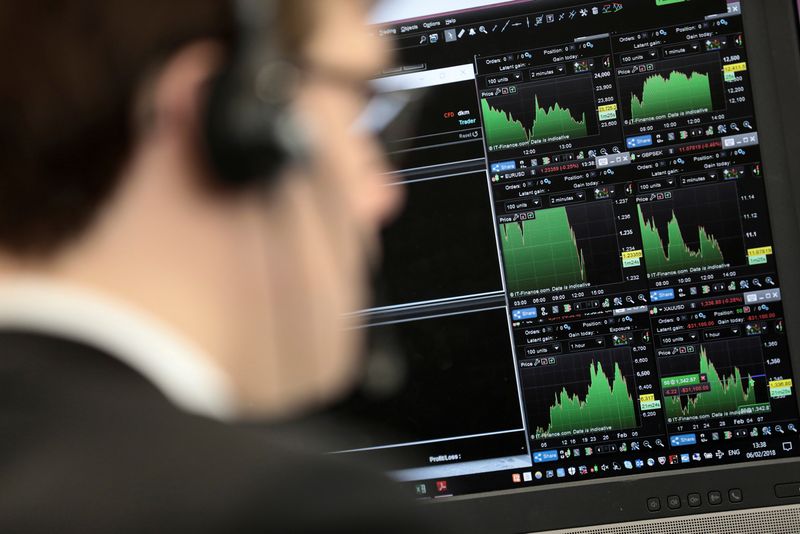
[{"x": 242, "y": 133}]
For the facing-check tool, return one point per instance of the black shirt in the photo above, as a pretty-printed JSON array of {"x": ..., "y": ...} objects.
[{"x": 88, "y": 445}]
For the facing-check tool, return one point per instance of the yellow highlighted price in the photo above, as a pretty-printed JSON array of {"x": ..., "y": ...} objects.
[
  {"x": 632, "y": 255},
  {"x": 735, "y": 67},
  {"x": 760, "y": 251}
]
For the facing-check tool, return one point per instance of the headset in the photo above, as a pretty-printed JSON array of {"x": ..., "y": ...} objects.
[{"x": 251, "y": 131}]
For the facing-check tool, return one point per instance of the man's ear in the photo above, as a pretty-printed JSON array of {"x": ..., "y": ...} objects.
[{"x": 178, "y": 93}]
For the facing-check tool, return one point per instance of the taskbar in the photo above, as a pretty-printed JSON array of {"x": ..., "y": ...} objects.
[{"x": 745, "y": 443}]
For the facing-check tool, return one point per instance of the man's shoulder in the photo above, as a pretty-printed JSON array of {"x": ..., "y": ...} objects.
[{"x": 92, "y": 444}]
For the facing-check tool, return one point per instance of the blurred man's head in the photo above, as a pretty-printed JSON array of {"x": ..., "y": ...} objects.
[{"x": 105, "y": 182}]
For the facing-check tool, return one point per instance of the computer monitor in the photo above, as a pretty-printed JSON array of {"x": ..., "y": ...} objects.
[{"x": 593, "y": 287}]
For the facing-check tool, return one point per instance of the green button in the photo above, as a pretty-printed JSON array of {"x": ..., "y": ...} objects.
[{"x": 667, "y": 2}]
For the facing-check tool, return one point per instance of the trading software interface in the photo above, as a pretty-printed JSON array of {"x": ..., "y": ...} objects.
[{"x": 584, "y": 281}]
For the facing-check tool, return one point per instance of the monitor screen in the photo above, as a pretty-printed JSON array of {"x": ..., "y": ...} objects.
[{"x": 584, "y": 282}]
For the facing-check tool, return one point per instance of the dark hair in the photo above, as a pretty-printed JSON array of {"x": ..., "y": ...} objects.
[{"x": 72, "y": 71}]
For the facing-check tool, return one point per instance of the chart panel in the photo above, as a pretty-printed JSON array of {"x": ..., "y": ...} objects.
[
  {"x": 693, "y": 229},
  {"x": 581, "y": 393},
  {"x": 720, "y": 379},
  {"x": 673, "y": 88},
  {"x": 560, "y": 247},
  {"x": 539, "y": 113}
]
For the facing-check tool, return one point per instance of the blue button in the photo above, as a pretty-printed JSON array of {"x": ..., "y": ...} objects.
[
  {"x": 560, "y": 473},
  {"x": 639, "y": 141},
  {"x": 681, "y": 440},
  {"x": 540, "y": 457},
  {"x": 503, "y": 166},
  {"x": 685, "y": 459},
  {"x": 660, "y": 295},
  {"x": 525, "y": 313}
]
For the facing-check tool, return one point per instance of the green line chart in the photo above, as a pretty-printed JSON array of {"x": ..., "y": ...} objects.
[
  {"x": 676, "y": 255},
  {"x": 553, "y": 122},
  {"x": 560, "y": 247},
  {"x": 695, "y": 229},
  {"x": 672, "y": 94},
  {"x": 672, "y": 89},
  {"x": 718, "y": 379},
  {"x": 543, "y": 252},
  {"x": 540, "y": 112},
  {"x": 583, "y": 393}
]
